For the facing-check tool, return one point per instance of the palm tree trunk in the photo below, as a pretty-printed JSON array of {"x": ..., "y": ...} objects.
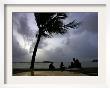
[{"x": 34, "y": 54}]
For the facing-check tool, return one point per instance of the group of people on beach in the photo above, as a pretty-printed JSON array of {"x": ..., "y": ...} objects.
[{"x": 74, "y": 64}]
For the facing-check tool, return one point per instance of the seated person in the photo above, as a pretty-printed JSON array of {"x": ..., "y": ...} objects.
[
  {"x": 62, "y": 67},
  {"x": 72, "y": 65},
  {"x": 78, "y": 64},
  {"x": 51, "y": 67},
  {"x": 75, "y": 64}
]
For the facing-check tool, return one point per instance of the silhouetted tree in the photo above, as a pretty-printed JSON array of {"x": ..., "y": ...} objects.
[{"x": 49, "y": 24}]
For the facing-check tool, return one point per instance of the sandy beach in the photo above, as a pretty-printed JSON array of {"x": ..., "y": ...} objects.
[
  {"x": 50, "y": 73},
  {"x": 57, "y": 72}
]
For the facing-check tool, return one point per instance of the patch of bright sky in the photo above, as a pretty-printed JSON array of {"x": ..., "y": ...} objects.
[
  {"x": 22, "y": 42},
  {"x": 31, "y": 22},
  {"x": 58, "y": 42}
]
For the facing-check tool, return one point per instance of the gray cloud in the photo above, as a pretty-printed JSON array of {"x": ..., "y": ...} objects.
[
  {"x": 21, "y": 27},
  {"x": 80, "y": 47},
  {"x": 91, "y": 22},
  {"x": 88, "y": 20},
  {"x": 82, "y": 42},
  {"x": 20, "y": 23},
  {"x": 18, "y": 53}
]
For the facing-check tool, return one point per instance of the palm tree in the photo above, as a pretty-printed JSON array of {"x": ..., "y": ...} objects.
[{"x": 49, "y": 24}]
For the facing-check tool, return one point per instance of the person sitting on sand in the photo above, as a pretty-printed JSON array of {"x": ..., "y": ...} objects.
[
  {"x": 62, "y": 67},
  {"x": 74, "y": 62},
  {"x": 51, "y": 67},
  {"x": 71, "y": 65},
  {"x": 77, "y": 63}
]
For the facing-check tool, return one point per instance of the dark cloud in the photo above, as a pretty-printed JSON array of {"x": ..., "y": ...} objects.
[
  {"x": 20, "y": 21},
  {"x": 82, "y": 46},
  {"x": 22, "y": 28},
  {"x": 88, "y": 20},
  {"x": 82, "y": 42},
  {"x": 91, "y": 22}
]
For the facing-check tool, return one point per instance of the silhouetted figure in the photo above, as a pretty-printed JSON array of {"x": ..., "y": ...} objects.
[
  {"x": 51, "y": 67},
  {"x": 75, "y": 63},
  {"x": 72, "y": 65},
  {"x": 74, "y": 59},
  {"x": 78, "y": 64},
  {"x": 62, "y": 67}
]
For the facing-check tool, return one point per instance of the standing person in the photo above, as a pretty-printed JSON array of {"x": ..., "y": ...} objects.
[{"x": 62, "y": 67}]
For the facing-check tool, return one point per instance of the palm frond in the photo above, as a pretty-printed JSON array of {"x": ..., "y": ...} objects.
[{"x": 52, "y": 23}]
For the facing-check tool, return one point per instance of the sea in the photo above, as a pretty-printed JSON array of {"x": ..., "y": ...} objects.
[{"x": 41, "y": 65}]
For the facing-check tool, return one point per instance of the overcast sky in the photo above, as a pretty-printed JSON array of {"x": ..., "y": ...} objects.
[{"x": 81, "y": 43}]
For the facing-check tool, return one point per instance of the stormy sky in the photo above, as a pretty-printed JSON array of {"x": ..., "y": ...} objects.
[{"x": 81, "y": 43}]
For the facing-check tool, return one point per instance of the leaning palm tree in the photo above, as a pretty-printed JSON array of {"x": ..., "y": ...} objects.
[{"x": 49, "y": 24}]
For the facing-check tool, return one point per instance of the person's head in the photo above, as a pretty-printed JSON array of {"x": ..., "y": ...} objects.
[
  {"x": 77, "y": 60},
  {"x": 73, "y": 59},
  {"x": 61, "y": 63}
]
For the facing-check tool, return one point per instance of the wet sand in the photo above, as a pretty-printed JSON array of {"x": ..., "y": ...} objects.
[
  {"x": 57, "y": 72},
  {"x": 50, "y": 73}
]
